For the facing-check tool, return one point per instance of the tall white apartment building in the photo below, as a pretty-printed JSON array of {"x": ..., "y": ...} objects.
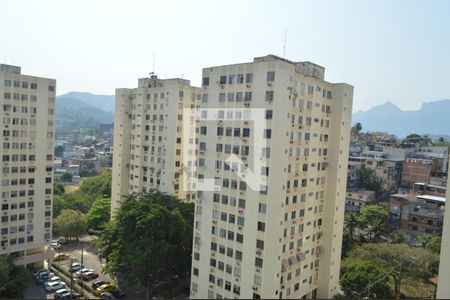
[
  {"x": 282, "y": 240},
  {"x": 27, "y": 137},
  {"x": 148, "y": 144},
  {"x": 443, "y": 291}
]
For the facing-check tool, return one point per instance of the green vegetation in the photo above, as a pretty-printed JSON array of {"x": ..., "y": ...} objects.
[
  {"x": 99, "y": 214},
  {"x": 149, "y": 241},
  {"x": 67, "y": 177},
  {"x": 13, "y": 279},
  {"x": 91, "y": 189},
  {"x": 398, "y": 262},
  {"x": 356, "y": 128},
  {"x": 58, "y": 188},
  {"x": 70, "y": 224},
  {"x": 431, "y": 243},
  {"x": 365, "y": 279},
  {"x": 370, "y": 181}
]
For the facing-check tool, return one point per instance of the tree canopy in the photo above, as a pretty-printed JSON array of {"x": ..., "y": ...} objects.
[
  {"x": 70, "y": 223},
  {"x": 99, "y": 214},
  {"x": 149, "y": 239},
  {"x": 13, "y": 278},
  {"x": 365, "y": 279},
  {"x": 400, "y": 261},
  {"x": 370, "y": 181}
]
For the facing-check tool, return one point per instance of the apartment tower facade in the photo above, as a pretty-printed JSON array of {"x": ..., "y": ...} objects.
[
  {"x": 443, "y": 292},
  {"x": 282, "y": 240},
  {"x": 148, "y": 145},
  {"x": 27, "y": 146}
]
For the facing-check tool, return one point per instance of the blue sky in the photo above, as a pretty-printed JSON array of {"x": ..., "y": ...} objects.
[{"x": 389, "y": 50}]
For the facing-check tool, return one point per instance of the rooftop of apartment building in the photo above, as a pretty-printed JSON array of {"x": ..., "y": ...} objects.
[
  {"x": 303, "y": 67},
  {"x": 154, "y": 81}
]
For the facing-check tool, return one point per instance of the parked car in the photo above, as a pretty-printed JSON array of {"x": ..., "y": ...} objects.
[
  {"x": 62, "y": 240},
  {"x": 118, "y": 293},
  {"x": 54, "y": 286},
  {"x": 107, "y": 296},
  {"x": 88, "y": 276},
  {"x": 84, "y": 270},
  {"x": 75, "y": 267},
  {"x": 56, "y": 245},
  {"x": 40, "y": 272},
  {"x": 97, "y": 284},
  {"x": 61, "y": 257},
  {"x": 61, "y": 292},
  {"x": 44, "y": 277},
  {"x": 51, "y": 279},
  {"x": 71, "y": 295},
  {"x": 105, "y": 288}
]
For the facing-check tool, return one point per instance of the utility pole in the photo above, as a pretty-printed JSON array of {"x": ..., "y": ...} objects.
[{"x": 71, "y": 277}]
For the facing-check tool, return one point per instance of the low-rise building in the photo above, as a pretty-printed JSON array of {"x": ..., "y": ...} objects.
[
  {"x": 415, "y": 170},
  {"x": 356, "y": 199}
]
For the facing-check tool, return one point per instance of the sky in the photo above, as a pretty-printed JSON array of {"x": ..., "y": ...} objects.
[{"x": 396, "y": 51}]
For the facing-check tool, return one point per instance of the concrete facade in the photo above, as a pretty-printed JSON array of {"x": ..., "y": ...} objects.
[
  {"x": 284, "y": 241},
  {"x": 147, "y": 150},
  {"x": 27, "y": 145}
]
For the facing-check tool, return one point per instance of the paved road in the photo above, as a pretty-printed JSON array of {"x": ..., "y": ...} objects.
[{"x": 90, "y": 257}]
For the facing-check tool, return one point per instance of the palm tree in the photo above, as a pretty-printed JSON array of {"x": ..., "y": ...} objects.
[{"x": 351, "y": 222}]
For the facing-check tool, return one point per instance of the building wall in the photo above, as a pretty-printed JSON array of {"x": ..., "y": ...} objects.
[
  {"x": 413, "y": 172},
  {"x": 301, "y": 235},
  {"x": 443, "y": 292},
  {"x": 27, "y": 143},
  {"x": 148, "y": 144}
]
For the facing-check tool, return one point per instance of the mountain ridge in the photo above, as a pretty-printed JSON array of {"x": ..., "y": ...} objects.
[{"x": 432, "y": 118}]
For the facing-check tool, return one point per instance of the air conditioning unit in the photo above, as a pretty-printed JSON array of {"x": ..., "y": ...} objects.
[
  {"x": 245, "y": 122},
  {"x": 269, "y": 84},
  {"x": 247, "y": 104},
  {"x": 248, "y": 85},
  {"x": 258, "y": 251}
]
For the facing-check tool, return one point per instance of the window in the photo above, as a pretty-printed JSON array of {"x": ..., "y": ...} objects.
[
  {"x": 240, "y": 78},
  {"x": 270, "y": 76},
  {"x": 267, "y": 133},
  {"x": 259, "y": 244},
  {"x": 258, "y": 262},
  {"x": 269, "y": 114},
  {"x": 223, "y": 79},
  {"x": 205, "y": 81},
  {"x": 269, "y": 95},
  {"x": 262, "y": 208},
  {"x": 261, "y": 226},
  {"x": 249, "y": 78}
]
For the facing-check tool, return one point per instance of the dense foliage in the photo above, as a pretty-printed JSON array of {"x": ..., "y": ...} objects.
[
  {"x": 70, "y": 223},
  {"x": 365, "y": 279},
  {"x": 370, "y": 181},
  {"x": 13, "y": 278},
  {"x": 99, "y": 214},
  {"x": 149, "y": 240},
  {"x": 91, "y": 189},
  {"x": 400, "y": 261}
]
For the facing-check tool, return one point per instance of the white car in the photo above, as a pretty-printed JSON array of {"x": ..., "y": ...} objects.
[
  {"x": 61, "y": 292},
  {"x": 75, "y": 267},
  {"x": 54, "y": 286},
  {"x": 53, "y": 278},
  {"x": 56, "y": 245},
  {"x": 84, "y": 270}
]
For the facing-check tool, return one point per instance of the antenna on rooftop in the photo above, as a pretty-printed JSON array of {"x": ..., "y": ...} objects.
[
  {"x": 153, "y": 63},
  {"x": 284, "y": 45}
]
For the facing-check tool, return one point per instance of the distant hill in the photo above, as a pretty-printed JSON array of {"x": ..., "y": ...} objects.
[
  {"x": 81, "y": 110},
  {"x": 103, "y": 102},
  {"x": 432, "y": 118}
]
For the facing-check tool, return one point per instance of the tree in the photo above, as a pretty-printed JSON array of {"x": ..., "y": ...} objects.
[
  {"x": 58, "y": 188},
  {"x": 414, "y": 136},
  {"x": 431, "y": 243},
  {"x": 400, "y": 261},
  {"x": 372, "y": 219},
  {"x": 13, "y": 278},
  {"x": 357, "y": 128},
  {"x": 99, "y": 214},
  {"x": 398, "y": 236},
  {"x": 149, "y": 239},
  {"x": 365, "y": 279},
  {"x": 351, "y": 222},
  {"x": 370, "y": 181},
  {"x": 71, "y": 223},
  {"x": 67, "y": 177}
]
